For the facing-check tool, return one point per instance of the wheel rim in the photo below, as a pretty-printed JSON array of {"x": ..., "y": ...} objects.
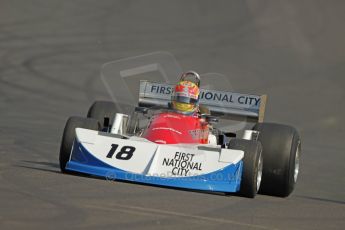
[
  {"x": 259, "y": 174},
  {"x": 297, "y": 154}
]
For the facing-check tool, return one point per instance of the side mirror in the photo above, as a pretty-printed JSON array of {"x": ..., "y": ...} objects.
[
  {"x": 210, "y": 119},
  {"x": 230, "y": 135},
  {"x": 142, "y": 110}
]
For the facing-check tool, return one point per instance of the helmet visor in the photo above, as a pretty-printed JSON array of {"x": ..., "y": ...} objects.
[{"x": 186, "y": 100}]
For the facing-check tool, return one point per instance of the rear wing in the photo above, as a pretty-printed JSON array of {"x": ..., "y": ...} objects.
[{"x": 253, "y": 106}]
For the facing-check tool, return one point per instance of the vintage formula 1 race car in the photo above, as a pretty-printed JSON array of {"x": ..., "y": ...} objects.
[{"x": 153, "y": 144}]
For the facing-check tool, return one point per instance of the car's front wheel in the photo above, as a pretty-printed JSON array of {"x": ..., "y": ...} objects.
[
  {"x": 252, "y": 166},
  {"x": 69, "y": 136},
  {"x": 101, "y": 110}
]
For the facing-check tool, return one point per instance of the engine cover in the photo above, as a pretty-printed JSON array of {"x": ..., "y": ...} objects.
[{"x": 176, "y": 128}]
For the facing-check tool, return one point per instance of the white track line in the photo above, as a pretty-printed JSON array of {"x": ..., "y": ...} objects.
[{"x": 154, "y": 212}]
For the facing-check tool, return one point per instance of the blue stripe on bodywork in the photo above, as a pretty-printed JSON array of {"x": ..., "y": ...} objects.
[{"x": 227, "y": 179}]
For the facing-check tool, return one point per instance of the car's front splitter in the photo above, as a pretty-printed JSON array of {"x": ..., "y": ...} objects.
[{"x": 227, "y": 179}]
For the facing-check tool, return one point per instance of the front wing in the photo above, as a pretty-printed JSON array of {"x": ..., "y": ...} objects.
[{"x": 135, "y": 159}]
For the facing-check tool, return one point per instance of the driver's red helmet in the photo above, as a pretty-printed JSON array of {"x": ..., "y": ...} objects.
[{"x": 185, "y": 98}]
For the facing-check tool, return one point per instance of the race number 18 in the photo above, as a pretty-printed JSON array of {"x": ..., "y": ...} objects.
[{"x": 125, "y": 153}]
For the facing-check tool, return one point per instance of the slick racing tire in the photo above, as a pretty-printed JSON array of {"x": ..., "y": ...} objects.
[
  {"x": 281, "y": 153},
  {"x": 100, "y": 110},
  {"x": 69, "y": 136},
  {"x": 252, "y": 166}
]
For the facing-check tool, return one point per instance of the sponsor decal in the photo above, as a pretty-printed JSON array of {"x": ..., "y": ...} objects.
[
  {"x": 161, "y": 141},
  {"x": 166, "y": 128},
  {"x": 229, "y": 98},
  {"x": 182, "y": 164},
  {"x": 208, "y": 96},
  {"x": 161, "y": 89},
  {"x": 198, "y": 133},
  {"x": 172, "y": 116}
]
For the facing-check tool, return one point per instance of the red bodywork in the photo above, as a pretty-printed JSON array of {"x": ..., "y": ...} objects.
[{"x": 175, "y": 128}]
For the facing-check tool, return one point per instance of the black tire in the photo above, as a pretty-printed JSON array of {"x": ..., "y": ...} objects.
[
  {"x": 281, "y": 151},
  {"x": 69, "y": 136},
  {"x": 102, "y": 109},
  {"x": 252, "y": 165}
]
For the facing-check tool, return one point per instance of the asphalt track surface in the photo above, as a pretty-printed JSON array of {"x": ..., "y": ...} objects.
[{"x": 50, "y": 56}]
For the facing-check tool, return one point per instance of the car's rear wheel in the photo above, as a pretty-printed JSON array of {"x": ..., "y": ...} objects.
[
  {"x": 252, "y": 165},
  {"x": 281, "y": 153},
  {"x": 102, "y": 111},
  {"x": 69, "y": 136}
]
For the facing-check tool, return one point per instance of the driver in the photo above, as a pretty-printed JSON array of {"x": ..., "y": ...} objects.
[{"x": 185, "y": 98}]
